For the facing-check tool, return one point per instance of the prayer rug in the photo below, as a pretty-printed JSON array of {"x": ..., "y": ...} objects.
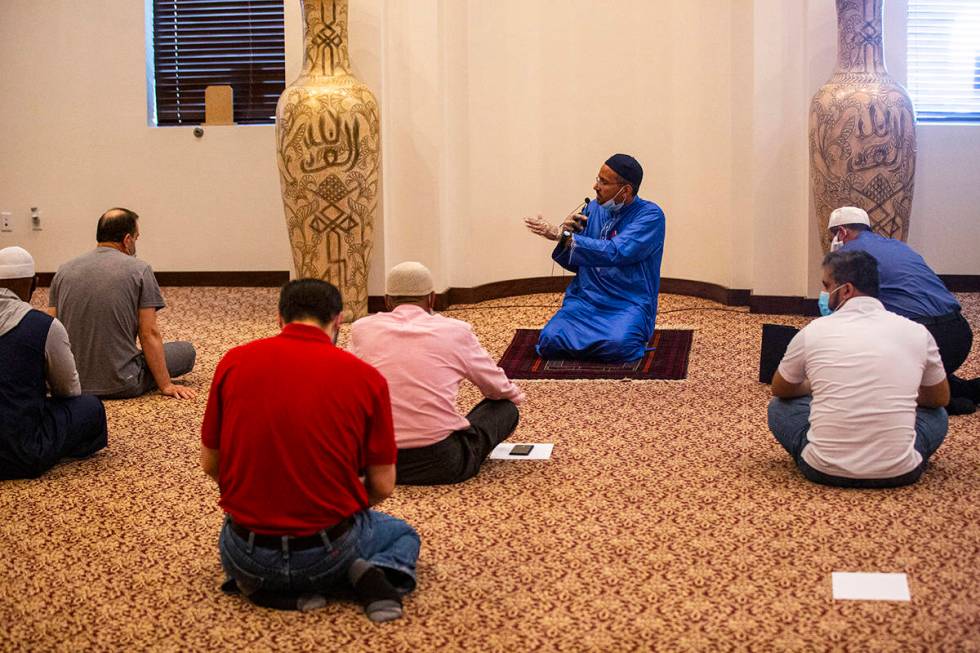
[{"x": 667, "y": 358}]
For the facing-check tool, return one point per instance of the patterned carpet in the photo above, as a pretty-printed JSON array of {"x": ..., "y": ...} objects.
[{"x": 668, "y": 519}]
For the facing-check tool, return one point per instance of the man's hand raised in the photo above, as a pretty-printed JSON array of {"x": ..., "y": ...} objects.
[
  {"x": 178, "y": 391},
  {"x": 538, "y": 226},
  {"x": 575, "y": 223}
]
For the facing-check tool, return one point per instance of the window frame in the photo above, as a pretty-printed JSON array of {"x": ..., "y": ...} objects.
[
  {"x": 253, "y": 63},
  {"x": 929, "y": 32}
]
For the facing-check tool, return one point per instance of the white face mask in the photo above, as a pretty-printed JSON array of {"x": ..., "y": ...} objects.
[
  {"x": 836, "y": 243},
  {"x": 611, "y": 205}
]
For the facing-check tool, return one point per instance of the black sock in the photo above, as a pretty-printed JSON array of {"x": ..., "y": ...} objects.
[
  {"x": 380, "y": 599},
  {"x": 373, "y": 586}
]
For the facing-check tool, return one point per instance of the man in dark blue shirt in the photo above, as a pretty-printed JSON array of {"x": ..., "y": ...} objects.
[{"x": 911, "y": 289}]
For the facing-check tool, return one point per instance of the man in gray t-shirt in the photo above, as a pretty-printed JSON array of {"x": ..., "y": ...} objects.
[{"x": 107, "y": 298}]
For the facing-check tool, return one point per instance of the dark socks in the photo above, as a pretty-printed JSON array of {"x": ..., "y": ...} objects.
[{"x": 379, "y": 597}]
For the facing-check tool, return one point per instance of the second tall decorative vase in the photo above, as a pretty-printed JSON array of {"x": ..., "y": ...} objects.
[
  {"x": 329, "y": 148},
  {"x": 862, "y": 130}
]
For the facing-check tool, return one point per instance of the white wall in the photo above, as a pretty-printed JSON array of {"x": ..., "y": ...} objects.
[
  {"x": 778, "y": 97},
  {"x": 75, "y": 142},
  {"x": 946, "y": 211},
  {"x": 491, "y": 111}
]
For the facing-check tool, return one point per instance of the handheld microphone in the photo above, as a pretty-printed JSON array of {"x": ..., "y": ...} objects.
[{"x": 581, "y": 209}]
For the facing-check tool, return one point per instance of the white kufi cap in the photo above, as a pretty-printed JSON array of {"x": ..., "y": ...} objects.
[
  {"x": 16, "y": 263},
  {"x": 409, "y": 279},
  {"x": 848, "y": 215}
]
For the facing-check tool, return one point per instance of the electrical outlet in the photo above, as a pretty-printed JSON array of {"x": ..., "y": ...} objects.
[
  {"x": 35, "y": 218},
  {"x": 5, "y": 217}
]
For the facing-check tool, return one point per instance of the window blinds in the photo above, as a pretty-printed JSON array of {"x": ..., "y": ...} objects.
[
  {"x": 199, "y": 43},
  {"x": 944, "y": 59}
]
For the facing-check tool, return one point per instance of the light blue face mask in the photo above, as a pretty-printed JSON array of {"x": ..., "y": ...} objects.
[
  {"x": 611, "y": 205},
  {"x": 824, "y": 301}
]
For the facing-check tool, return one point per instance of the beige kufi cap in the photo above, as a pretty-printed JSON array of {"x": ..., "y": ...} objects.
[
  {"x": 16, "y": 263},
  {"x": 848, "y": 215},
  {"x": 409, "y": 279}
]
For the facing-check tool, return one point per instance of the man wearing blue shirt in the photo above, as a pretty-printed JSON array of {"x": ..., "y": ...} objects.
[
  {"x": 615, "y": 246},
  {"x": 911, "y": 289}
]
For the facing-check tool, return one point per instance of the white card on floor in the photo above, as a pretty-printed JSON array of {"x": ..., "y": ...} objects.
[
  {"x": 539, "y": 451},
  {"x": 865, "y": 586}
]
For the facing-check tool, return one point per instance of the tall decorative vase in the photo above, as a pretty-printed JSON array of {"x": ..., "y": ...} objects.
[
  {"x": 329, "y": 148},
  {"x": 862, "y": 130}
]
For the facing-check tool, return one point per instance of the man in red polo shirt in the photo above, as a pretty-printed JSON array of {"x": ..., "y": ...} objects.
[{"x": 298, "y": 435}]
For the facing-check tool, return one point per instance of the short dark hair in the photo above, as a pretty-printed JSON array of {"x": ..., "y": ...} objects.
[
  {"x": 115, "y": 224},
  {"x": 857, "y": 227},
  {"x": 309, "y": 299},
  {"x": 857, "y": 268}
]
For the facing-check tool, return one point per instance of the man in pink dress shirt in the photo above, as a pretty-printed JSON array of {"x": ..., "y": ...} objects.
[{"x": 425, "y": 357}]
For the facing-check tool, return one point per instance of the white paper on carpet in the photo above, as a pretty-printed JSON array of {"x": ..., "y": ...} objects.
[
  {"x": 541, "y": 451},
  {"x": 870, "y": 586}
]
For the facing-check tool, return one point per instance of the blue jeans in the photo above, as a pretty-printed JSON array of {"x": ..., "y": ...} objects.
[
  {"x": 385, "y": 541},
  {"x": 789, "y": 421}
]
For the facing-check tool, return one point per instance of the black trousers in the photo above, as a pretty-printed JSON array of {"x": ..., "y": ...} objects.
[
  {"x": 70, "y": 427},
  {"x": 954, "y": 338},
  {"x": 459, "y": 456}
]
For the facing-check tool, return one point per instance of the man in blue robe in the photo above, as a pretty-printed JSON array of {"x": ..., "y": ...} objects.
[{"x": 615, "y": 246}]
